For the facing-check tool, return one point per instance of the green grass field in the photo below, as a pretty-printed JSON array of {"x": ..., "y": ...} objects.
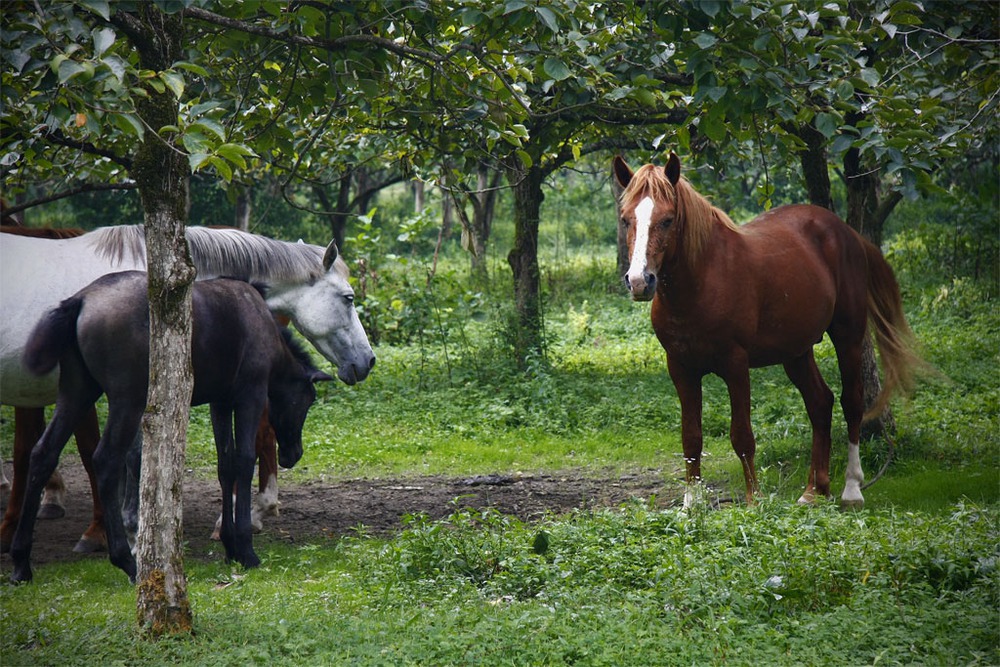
[{"x": 912, "y": 579}]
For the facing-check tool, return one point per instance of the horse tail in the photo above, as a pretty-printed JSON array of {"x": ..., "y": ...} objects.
[
  {"x": 895, "y": 339},
  {"x": 52, "y": 336}
]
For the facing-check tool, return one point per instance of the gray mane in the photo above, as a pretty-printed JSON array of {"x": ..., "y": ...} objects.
[{"x": 222, "y": 252}]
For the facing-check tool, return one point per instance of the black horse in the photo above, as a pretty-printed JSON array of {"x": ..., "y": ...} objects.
[{"x": 241, "y": 362}]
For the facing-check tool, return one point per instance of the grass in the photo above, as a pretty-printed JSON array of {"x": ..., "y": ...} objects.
[
  {"x": 771, "y": 584},
  {"x": 911, "y": 579}
]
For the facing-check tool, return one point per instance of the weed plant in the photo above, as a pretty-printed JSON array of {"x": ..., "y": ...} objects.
[{"x": 911, "y": 580}]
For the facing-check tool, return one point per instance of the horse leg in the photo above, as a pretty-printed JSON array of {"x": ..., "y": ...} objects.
[
  {"x": 266, "y": 446},
  {"x": 29, "y": 424},
  {"x": 819, "y": 405},
  {"x": 688, "y": 386},
  {"x": 737, "y": 379},
  {"x": 42, "y": 461},
  {"x": 130, "y": 489},
  {"x": 235, "y": 467},
  {"x": 88, "y": 434},
  {"x": 53, "y": 498},
  {"x": 852, "y": 401},
  {"x": 120, "y": 433},
  {"x": 266, "y": 451}
]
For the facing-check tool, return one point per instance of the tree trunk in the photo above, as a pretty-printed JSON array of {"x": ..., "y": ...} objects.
[
  {"x": 815, "y": 168},
  {"x": 161, "y": 172},
  {"x": 418, "y": 197},
  {"x": 867, "y": 215},
  {"x": 244, "y": 206},
  {"x": 622, "y": 240},
  {"x": 526, "y": 184}
]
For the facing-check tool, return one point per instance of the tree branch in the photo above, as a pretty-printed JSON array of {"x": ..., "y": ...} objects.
[
  {"x": 338, "y": 44},
  {"x": 87, "y": 187}
]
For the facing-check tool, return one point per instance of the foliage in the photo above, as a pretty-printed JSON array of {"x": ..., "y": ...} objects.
[{"x": 773, "y": 584}]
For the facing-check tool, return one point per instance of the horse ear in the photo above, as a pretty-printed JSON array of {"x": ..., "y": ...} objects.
[
  {"x": 320, "y": 376},
  {"x": 673, "y": 168},
  {"x": 621, "y": 172},
  {"x": 330, "y": 256}
]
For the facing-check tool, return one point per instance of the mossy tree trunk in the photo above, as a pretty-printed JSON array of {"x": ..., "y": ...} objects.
[
  {"x": 526, "y": 184},
  {"x": 161, "y": 171}
]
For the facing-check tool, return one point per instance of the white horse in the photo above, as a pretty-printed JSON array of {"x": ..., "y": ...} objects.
[{"x": 306, "y": 283}]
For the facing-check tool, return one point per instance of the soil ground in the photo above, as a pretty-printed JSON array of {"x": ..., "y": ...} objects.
[{"x": 315, "y": 510}]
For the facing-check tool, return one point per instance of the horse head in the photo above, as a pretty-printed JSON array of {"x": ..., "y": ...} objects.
[
  {"x": 323, "y": 311},
  {"x": 290, "y": 394},
  {"x": 648, "y": 211}
]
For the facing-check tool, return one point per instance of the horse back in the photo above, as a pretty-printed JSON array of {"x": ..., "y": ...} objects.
[{"x": 796, "y": 268}]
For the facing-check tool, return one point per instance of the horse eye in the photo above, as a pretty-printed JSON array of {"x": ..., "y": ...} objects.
[
  {"x": 349, "y": 298},
  {"x": 666, "y": 222},
  {"x": 624, "y": 222}
]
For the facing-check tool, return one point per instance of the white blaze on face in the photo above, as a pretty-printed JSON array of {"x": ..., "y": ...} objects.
[{"x": 643, "y": 221}]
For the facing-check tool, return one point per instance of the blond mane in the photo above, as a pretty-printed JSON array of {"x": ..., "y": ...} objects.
[{"x": 695, "y": 213}]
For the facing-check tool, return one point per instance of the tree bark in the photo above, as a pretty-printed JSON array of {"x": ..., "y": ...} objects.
[
  {"x": 244, "y": 207},
  {"x": 161, "y": 172},
  {"x": 867, "y": 215},
  {"x": 621, "y": 244},
  {"x": 526, "y": 184}
]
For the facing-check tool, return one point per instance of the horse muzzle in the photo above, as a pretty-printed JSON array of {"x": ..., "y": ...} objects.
[
  {"x": 642, "y": 287},
  {"x": 288, "y": 456},
  {"x": 352, "y": 373}
]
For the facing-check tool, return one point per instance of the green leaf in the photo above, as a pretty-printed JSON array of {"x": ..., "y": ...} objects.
[
  {"x": 196, "y": 160},
  {"x": 845, "y": 90},
  {"x": 207, "y": 125},
  {"x": 525, "y": 159},
  {"x": 117, "y": 66},
  {"x": 129, "y": 123},
  {"x": 556, "y": 69},
  {"x": 193, "y": 68},
  {"x": 471, "y": 17},
  {"x": 540, "y": 545},
  {"x": 222, "y": 167},
  {"x": 870, "y": 76},
  {"x": 644, "y": 96},
  {"x": 713, "y": 126},
  {"x": 705, "y": 40},
  {"x": 103, "y": 39},
  {"x": 548, "y": 18},
  {"x": 99, "y": 7},
  {"x": 174, "y": 81},
  {"x": 235, "y": 154},
  {"x": 827, "y": 124},
  {"x": 514, "y": 5},
  {"x": 70, "y": 69}
]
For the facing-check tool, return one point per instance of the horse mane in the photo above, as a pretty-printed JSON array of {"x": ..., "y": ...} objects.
[
  {"x": 296, "y": 349},
  {"x": 695, "y": 213},
  {"x": 228, "y": 252}
]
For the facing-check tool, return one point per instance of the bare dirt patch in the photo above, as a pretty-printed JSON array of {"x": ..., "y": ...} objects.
[{"x": 317, "y": 510}]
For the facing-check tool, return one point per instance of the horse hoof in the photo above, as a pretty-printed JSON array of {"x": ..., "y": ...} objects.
[
  {"x": 87, "y": 545},
  {"x": 50, "y": 511},
  {"x": 852, "y": 504}
]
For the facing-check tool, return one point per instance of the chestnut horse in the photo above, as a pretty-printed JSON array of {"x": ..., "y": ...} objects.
[{"x": 729, "y": 298}]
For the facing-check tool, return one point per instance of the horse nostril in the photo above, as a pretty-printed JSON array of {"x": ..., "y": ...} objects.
[
  {"x": 650, "y": 279},
  {"x": 371, "y": 363},
  {"x": 628, "y": 285}
]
